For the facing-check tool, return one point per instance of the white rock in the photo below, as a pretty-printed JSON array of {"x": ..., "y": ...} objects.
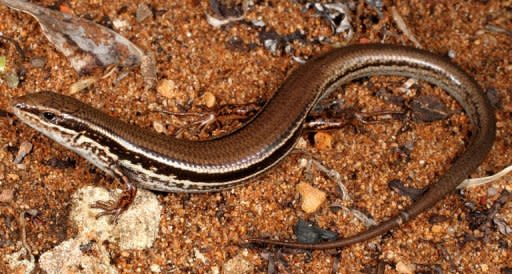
[
  {"x": 77, "y": 256},
  {"x": 136, "y": 228},
  {"x": 19, "y": 265}
]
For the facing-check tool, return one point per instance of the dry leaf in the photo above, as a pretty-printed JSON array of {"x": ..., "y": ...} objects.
[
  {"x": 428, "y": 108},
  {"x": 86, "y": 44}
]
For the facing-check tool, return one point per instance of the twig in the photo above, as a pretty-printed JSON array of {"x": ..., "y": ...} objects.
[
  {"x": 366, "y": 220},
  {"x": 400, "y": 23},
  {"x": 335, "y": 176},
  {"x": 497, "y": 29},
  {"x": 24, "y": 235},
  {"x": 484, "y": 180},
  {"x": 19, "y": 49}
]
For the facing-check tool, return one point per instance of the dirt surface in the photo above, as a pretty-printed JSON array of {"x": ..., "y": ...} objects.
[{"x": 200, "y": 233}]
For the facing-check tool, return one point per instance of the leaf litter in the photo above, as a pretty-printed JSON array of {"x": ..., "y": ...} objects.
[{"x": 87, "y": 45}]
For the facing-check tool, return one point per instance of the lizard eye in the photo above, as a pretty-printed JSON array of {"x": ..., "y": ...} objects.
[{"x": 48, "y": 116}]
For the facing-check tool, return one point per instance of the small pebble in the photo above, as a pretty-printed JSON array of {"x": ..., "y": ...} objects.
[
  {"x": 437, "y": 229},
  {"x": 143, "y": 12},
  {"x": 13, "y": 177},
  {"x": 200, "y": 256},
  {"x": 312, "y": 198},
  {"x": 301, "y": 143},
  {"x": 38, "y": 62},
  {"x": 209, "y": 99},
  {"x": 12, "y": 79},
  {"x": 6, "y": 195},
  {"x": 509, "y": 187},
  {"x": 405, "y": 268},
  {"x": 303, "y": 162},
  {"x": 155, "y": 268},
  {"x": 167, "y": 88},
  {"x": 121, "y": 24},
  {"x": 323, "y": 140},
  {"x": 492, "y": 191},
  {"x": 214, "y": 270},
  {"x": 158, "y": 126},
  {"x": 452, "y": 54},
  {"x": 237, "y": 264}
]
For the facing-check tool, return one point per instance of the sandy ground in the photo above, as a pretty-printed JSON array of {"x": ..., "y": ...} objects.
[{"x": 200, "y": 233}]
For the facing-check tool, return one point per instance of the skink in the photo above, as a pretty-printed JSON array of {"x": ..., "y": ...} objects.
[{"x": 143, "y": 158}]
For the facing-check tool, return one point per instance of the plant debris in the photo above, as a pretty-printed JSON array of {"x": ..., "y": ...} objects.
[
  {"x": 400, "y": 23},
  {"x": 225, "y": 14},
  {"x": 498, "y": 29},
  {"x": 214, "y": 122},
  {"x": 224, "y": 9},
  {"x": 277, "y": 262},
  {"x": 332, "y": 175},
  {"x": 377, "y": 4},
  {"x": 25, "y": 149},
  {"x": 86, "y": 44},
  {"x": 307, "y": 232},
  {"x": 337, "y": 15},
  {"x": 82, "y": 84},
  {"x": 483, "y": 219},
  {"x": 484, "y": 180},
  {"x": 143, "y": 12},
  {"x": 276, "y": 43},
  {"x": 429, "y": 108},
  {"x": 404, "y": 190}
]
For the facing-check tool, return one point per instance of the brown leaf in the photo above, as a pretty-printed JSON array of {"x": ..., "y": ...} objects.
[{"x": 429, "y": 108}]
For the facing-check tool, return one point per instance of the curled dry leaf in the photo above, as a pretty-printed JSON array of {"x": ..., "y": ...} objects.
[
  {"x": 308, "y": 232},
  {"x": 86, "y": 44}
]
